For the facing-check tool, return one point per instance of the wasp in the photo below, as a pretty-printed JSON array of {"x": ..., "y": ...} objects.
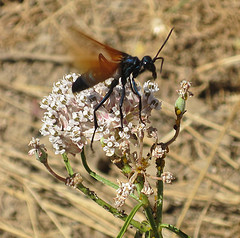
[{"x": 99, "y": 62}]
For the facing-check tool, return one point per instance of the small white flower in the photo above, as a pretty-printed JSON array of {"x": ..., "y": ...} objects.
[
  {"x": 147, "y": 189},
  {"x": 124, "y": 190},
  {"x": 39, "y": 150},
  {"x": 184, "y": 91},
  {"x": 150, "y": 86},
  {"x": 167, "y": 177}
]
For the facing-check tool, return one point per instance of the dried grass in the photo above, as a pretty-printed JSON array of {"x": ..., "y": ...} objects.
[{"x": 205, "y": 49}]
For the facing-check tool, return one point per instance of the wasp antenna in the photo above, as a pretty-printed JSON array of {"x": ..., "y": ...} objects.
[{"x": 164, "y": 43}]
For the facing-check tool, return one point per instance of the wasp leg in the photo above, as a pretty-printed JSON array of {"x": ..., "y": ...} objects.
[
  {"x": 135, "y": 91},
  {"x": 124, "y": 81},
  {"x": 112, "y": 86}
]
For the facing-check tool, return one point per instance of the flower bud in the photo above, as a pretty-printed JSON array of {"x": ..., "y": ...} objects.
[{"x": 180, "y": 106}]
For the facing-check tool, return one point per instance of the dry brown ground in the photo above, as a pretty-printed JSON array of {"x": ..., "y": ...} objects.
[{"x": 205, "y": 49}]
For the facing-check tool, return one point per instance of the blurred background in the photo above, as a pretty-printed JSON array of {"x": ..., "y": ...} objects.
[{"x": 204, "y": 200}]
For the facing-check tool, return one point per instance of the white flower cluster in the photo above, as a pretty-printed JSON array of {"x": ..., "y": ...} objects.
[
  {"x": 158, "y": 151},
  {"x": 147, "y": 189},
  {"x": 124, "y": 190},
  {"x": 185, "y": 85},
  {"x": 68, "y": 119},
  {"x": 167, "y": 177},
  {"x": 37, "y": 148}
]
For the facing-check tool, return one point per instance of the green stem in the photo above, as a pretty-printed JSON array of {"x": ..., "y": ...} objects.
[
  {"x": 120, "y": 214},
  {"x": 93, "y": 196},
  {"x": 175, "y": 230},
  {"x": 149, "y": 215},
  {"x": 94, "y": 175},
  {"x": 147, "y": 206},
  {"x": 67, "y": 164},
  {"x": 102, "y": 203},
  {"x": 159, "y": 202},
  {"x": 99, "y": 178}
]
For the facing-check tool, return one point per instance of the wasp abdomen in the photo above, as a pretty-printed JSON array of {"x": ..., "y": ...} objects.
[
  {"x": 80, "y": 84},
  {"x": 83, "y": 82}
]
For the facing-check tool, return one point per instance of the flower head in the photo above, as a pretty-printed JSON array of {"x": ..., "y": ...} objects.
[
  {"x": 39, "y": 150},
  {"x": 184, "y": 91},
  {"x": 69, "y": 123},
  {"x": 167, "y": 177},
  {"x": 159, "y": 151},
  {"x": 183, "y": 96},
  {"x": 124, "y": 190}
]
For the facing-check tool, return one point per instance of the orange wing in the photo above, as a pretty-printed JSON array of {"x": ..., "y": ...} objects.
[{"x": 86, "y": 55}]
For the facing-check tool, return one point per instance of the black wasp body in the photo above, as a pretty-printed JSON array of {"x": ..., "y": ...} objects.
[
  {"x": 100, "y": 62},
  {"x": 129, "y": 65}
]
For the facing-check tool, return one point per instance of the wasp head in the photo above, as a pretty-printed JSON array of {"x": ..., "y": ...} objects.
[{"x": 148, "y": 64}]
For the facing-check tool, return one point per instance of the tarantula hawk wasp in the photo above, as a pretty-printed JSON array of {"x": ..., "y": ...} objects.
[{"x": 99, "y": 62}]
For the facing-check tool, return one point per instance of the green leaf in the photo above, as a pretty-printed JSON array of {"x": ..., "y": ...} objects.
[{"x": 128, "y": 220}]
